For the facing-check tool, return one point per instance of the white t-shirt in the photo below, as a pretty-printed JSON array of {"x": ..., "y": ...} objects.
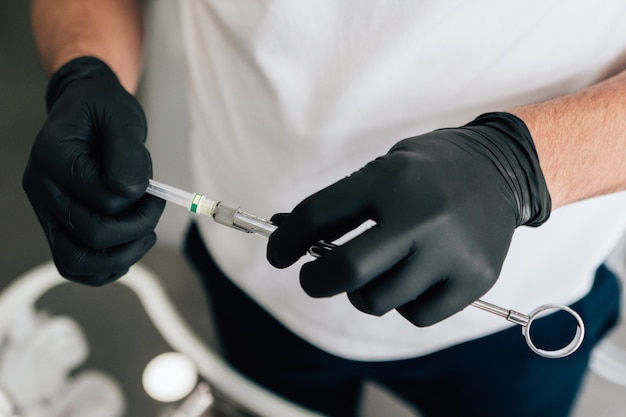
[{"x": 286, "y": 97}]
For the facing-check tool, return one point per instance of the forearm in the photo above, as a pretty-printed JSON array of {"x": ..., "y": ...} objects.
[
  {"x": 111, "y": 30},
  {"x": 581, "y": 140}
]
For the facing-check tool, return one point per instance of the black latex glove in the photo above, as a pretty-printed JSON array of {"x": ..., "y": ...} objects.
[
  {"x": 445, "y": 205},
  {"x": 87, "y": 174}
]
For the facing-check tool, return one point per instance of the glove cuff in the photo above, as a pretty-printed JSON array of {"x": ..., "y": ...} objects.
[
  {"x": 78, "y": 68},
  {"x": 518, "y": 163}
]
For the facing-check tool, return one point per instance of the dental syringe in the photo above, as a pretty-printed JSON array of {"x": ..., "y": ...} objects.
[{"x": 231, "y": 215}]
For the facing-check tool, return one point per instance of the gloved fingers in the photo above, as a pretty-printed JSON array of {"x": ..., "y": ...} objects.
[
  {"x": 96, "y": 150},
  {"x": 325, "y": 215},
  {"x": 96, "y": 267},
  {"x": 93, "y": 229},
  {"x": 354, "y": 264},
  {"x": 403, "y": 283},
  {"x": 126, "y": 162},
  {"x": 77, "y": 170},
  {"x": 90, "y": 266},
  {"x": 444, "y": 299},
  {"x": 100, "y": 232}
]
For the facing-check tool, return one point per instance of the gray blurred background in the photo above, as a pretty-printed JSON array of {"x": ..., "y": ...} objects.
[{"x": 121, "y": 337}]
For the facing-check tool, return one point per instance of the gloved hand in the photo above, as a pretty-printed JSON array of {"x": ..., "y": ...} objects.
[
  {"x": 87, "y": 174},
  {"x": 445, "y": 205}
]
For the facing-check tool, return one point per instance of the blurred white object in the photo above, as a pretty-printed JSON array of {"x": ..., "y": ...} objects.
[
  {"x": 197, "y": 404},
  {"x": 7, "y": 408},
  {"x": 231, "y": 384},
  {"x": 170, "y": 377},
  {"x": 37, "y": 356},
  {"x": 89, "y": 394},
  {"x": 255, "y": 400}
]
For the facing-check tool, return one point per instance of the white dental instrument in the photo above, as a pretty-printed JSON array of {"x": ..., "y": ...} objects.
[{"x": 231, "y": 215}]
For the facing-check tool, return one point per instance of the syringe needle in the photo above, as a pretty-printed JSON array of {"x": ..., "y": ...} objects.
[{"x": 224, "y": 213}]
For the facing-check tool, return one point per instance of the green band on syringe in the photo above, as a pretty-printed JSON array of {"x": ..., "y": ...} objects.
[{"x": 197, "y": 198}]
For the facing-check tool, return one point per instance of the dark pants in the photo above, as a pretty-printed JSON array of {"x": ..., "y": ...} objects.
[{"x": 496, "y": 375}]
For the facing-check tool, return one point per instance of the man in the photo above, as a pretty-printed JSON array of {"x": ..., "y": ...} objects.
[{"x": 287, "y": 98}]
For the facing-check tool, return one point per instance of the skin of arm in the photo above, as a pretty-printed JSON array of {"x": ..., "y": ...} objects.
[
  {"x": 581, "y": 140},
  {"x": 111, "y": 30}
]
